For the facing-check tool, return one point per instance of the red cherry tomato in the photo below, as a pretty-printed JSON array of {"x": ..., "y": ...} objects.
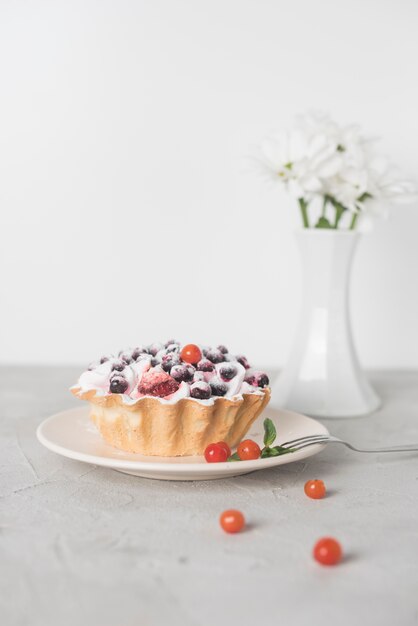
[
  {"x": 216, "y": 453},
  {"x": 248, "y": 450},
  {"x": 327, "y": 551},
  {"x": 315, "y": 489},
  {"x": 232, "y": 521},
  {"x": 224, "y": 445},
  {"x": 191, "y": 353}
]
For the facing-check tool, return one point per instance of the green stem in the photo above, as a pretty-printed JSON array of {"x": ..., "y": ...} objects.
[
  {"x": 324, "y": 206},
  {"x": 339, "y": 210},
  {"x": 353, "y": 221},
  {"x": 304, "y": 210}
]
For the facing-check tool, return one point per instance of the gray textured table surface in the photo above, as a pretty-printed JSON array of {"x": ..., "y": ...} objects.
[{"x": 84, "y": 545}]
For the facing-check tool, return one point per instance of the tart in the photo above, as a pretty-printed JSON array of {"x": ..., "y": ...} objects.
[{"x": 172, "y": 400}]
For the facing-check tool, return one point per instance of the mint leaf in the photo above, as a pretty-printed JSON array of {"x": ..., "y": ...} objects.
[
  {"x": 281, "y": 450},
  {"x": 266, "y": 453},
  {"x": 269, "y": 432},
  {"x": 234, "y": 457}
]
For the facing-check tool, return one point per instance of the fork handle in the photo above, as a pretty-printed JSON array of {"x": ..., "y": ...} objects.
[{"x": 412, "y": 447}]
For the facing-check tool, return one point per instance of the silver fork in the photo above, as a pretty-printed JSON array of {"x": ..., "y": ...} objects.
[{"x": 304, "y": 442}]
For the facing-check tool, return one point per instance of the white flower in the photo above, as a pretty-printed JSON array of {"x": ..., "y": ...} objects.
[
  {"x": 319, "y": 158},
  {"x": 386, "y": 183},
  {"x": 301, "y": 160}
]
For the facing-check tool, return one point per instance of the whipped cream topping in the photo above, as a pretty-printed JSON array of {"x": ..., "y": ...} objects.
[{"x": 227, "y": 378}]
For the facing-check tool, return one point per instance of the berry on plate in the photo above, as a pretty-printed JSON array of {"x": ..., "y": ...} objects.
[
  {"x": 232, "y": 521},
  {"x": 224, "y": 445},
  {"x": 216, "y": 453},
  {"x": 191, "y": 353},
  {"x": 327, "y": 551},
  {"x": 248, "y": 450},
  {"x": 315, "y": 489}
]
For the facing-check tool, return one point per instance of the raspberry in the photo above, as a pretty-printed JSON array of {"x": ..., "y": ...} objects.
[{"x": 157, "y": 384}]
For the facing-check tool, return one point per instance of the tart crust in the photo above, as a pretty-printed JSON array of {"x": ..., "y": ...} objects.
[{"x": 184, "y": 428}]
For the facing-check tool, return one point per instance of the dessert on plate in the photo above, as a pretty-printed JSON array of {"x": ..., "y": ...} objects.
[{"x": 173, "y": 400}]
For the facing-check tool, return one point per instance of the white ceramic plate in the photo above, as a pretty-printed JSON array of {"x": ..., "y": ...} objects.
[{"x": 72, "y": 434}]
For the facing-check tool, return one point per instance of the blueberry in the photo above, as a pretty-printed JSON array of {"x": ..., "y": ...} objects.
[
  {"x": 200, "y": 390},
  {"x": 154, "y": 348},
  {"x": 155, "y": 362},
  {"x": 227, "y": 372},
  {"x": 126, "y": 356},
  {"x": 222, "y": 349},
  {"x": 198, "y": 376},
  {"x": 118, "y": 384},
  {"x": 243, "y": 360},
  {"x": 257, "y": 379},
  {"x": 205, "y": 366},
  {"x": 170, "y": 360},
  {"x": 218, "y": 388},
  {"x": 119, "y": 366},
  {"x": 104, "y": 359},
  {"x": 173, "y": 347},
  {"x": 137, "y": 352},
  {"x": 182, "y": 373},
  {"x": 262, "y": 380},
  {"x": 215, "y": 355},
  {"x": 170, "y": 342}
]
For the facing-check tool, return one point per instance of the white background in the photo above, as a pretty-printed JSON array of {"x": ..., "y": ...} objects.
[{"x": 128, "y": 213}]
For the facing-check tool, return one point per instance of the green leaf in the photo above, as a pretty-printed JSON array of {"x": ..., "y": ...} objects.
[
  {"x": 323, "y": 222},
  {"x": 280, "y": 450},
  {"x": 234, "y": 457},
  {"x": 269, "y": 432},
  {"x": 266, "y": 453}
]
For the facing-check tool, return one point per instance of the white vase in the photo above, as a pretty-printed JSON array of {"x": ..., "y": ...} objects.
[{"x": 323, "y": 376}]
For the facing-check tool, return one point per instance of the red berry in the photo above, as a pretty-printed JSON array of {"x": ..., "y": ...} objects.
[
  {"x": 232, "y": 521},
  {"x": 191, "y": 354},
  {"x": 248, "y": 450},
  {"x": 327, "y": 551},
  {"x": 315, "y": 489},
  {"x": 224, "y": 445},
  {"x": 159, "y": 384},
  {"x": 216, "y": 453}
]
